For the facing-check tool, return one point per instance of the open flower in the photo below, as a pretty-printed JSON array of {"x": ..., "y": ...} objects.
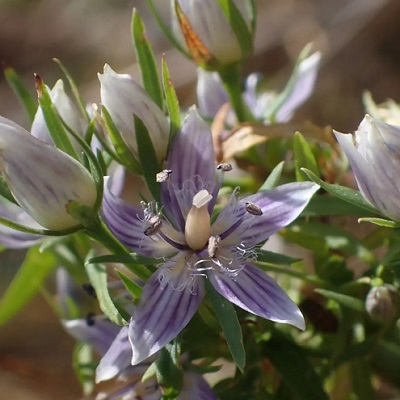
[
  {"x": 43, "y": 179},
  {"x": 193, "y": 247},
  {"x": 374, "y": 153}
]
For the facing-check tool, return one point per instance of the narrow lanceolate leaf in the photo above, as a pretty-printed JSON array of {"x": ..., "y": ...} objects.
[
  {"x": 27, "y": 282},
  {"x": 171, "y": 101},
  {"x": 275, "y": 258},
  {"x": 345, "y": 193},
  {"x": 20, "y": 90},
  {"x": 343, "y": 299},
  {"x": 53, "y": 120},
  {"x": 387, "y": 223},
  {"x": 145, "y": 58},
  {"x": 273, "y": 178},
  {"x": 148, "y": 158},
  {"x": 229, "y": 322},
  {"x": 296, "y": 371},
  {"x": 239, "y": 26},
  {"x": 303, "y": 157},
  {"x": 133, "y": 288},
  {"x": 97, "y": 274}
]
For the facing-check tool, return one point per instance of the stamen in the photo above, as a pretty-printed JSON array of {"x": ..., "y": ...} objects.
[
  {"x": 154, "y": 225},
  {"x": 213, "y": 246},
  {"x": 253, "y": 209},
  {"x": 163, "y": 175},
  {"x": 197, "y": 226},
  {"x": 224, "y": 167}
]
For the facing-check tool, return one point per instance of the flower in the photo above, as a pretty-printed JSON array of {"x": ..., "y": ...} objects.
[
  {"x": 373, "y": 153},
  {"x": 67, "y": 111},
  {"x": 124, "y": 98},
  {"x": 193, "y": 247},
  {"x": 112, "y": 343},
  {"x": 265, "y": 105},
  {"x": 43, "y": 179},
  {"x": 207, "y": 31}
]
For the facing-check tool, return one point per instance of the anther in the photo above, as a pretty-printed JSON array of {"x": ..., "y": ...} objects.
[
  {"x": 163, "y": 175},
  {"x": 224, "y": 167},
  {"x": 154, "y": 225},
  {"x": 253, "y": 209},
  {"x": 90, "y": 319},
  {"x": 213, "y": 246}
]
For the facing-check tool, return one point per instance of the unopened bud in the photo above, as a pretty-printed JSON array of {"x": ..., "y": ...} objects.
[{"x": 381, "y": 303}]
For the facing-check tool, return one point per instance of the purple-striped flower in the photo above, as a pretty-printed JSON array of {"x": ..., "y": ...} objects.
[
  {"x": 374, "y": 153},
  {"x": 112, "y": 343},
  {"x": 194, "y": 248}
]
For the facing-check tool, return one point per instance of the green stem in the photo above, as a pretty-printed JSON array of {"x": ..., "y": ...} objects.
[{"x": 231, "y": 79}]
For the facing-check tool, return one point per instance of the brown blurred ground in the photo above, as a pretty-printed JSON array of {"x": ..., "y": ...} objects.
[{"x": 359, "y": 39}]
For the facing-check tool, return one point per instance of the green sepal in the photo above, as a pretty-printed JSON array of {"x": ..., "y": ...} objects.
[
  {"x": 239, "y": 26},
  {"x": 26, "y": 283},
  {"x": 344, "y": 193},
  {"x": 53, "y": 120},
  {"x": 133, "y": 288},
  {"x": 82, "y": 213},
  {"x": 168, "y": 370},
  {"x": 97, "y": 274},
  {"x": 74, "y": 89},
  {"x": 229, "y": 322},
  {"x": 172, "y": 102},
  {"x": 303, "y": 157},
  {"x": 273, "y": 178},
  {"x": 125, "y": 156},
  {"x": 148, "y": 159},
  {"x": 145, "y": 58},
  {"x": 5, "y": 191},
  {"x": 295, "y": 369},
  {"x": 343, "y": 299},
  {"x": 22, "y": 93}
]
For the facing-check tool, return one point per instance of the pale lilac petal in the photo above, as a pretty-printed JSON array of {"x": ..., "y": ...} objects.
[
  {"x": 195, "y": 387},
  {"x": 191, "y": 158},
  {"x": 116, "y": 359},
  {"x": 280, "y": 207},
  {"x": 305, "y": 78},
  {"x": 254, "y": 291},
  {"x": 126, "y": 222},
  {"x": 99, "y": 334},
  {"x": 165, "y": 308},
  {"x": 211, "y": 94}
]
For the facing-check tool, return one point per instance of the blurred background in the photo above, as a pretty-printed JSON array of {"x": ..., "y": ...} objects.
[{"x": 361, "y": 50}]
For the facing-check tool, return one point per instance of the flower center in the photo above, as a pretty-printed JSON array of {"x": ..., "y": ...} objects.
[{"x": 197, "y": 226}]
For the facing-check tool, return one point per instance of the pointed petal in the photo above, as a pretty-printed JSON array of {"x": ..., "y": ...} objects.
[
  {"x": 100, "y": 334},
  {"x": 191, "y": 158},
  {"x": 169, "y": 300},
  {"x": 116, "y": 359},
  {"x": 259, "y": 294},
  {"x": 195, "y": 387}
]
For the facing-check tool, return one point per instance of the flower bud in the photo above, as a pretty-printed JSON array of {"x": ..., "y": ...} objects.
[
  {"x": 374, "y": 153},
  {"x": 67, "y": 111},
  {"x": 43, "y": 179},
  {"x": 207, "y": 32},
  {"x": 124, "y": 98},
  {"x": 381, "y": 303}
]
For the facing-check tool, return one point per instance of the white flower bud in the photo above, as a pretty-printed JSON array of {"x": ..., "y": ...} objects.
[
  {"x": 381, "y": 303},
  {"x": 124, "y": 98},
  {"x": 43, "y": 179}
]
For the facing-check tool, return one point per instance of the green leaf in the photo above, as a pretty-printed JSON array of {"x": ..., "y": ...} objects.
[
  {"x": 84, "y": 366},
  {"x": 133, "y": 288},
  {"x": 303, "y": 157},
  {"x": 97, "y": 274},
  {"x": 53, "y": 120},
  {"x": 148, "y": 158},
  {"x": 123, "y": 258},
  {"x": 343, "y": 299},
  {"x": 273, "y": 178},
  {"x": 20, "y": 90},
  {"x": 123, "y": 152},
  {"x": 145, "y": 58},
  {"x": 229, "y": 322},
  {"x": 26, "y": 283},
  {"x": 239, "y": 26},
  {"x": 386, "y": 360},
  {"x": 275, "y": 258},
  {"x": 344, "y": 193},
  {"x": 295, "y": 369},
  {"x": 387, "y": 223},
  {"x": 172, "y": 102}
]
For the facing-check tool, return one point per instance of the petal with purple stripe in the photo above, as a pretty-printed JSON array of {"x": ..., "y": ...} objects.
[
  {"x": 259, "y": 294},
  {"x": 169, "y": 300}
]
